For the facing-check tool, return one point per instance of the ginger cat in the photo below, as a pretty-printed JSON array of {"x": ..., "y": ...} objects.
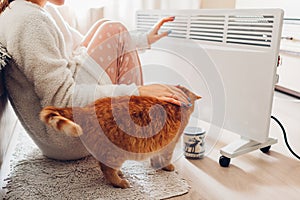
[{"x": 124, "y": 128}]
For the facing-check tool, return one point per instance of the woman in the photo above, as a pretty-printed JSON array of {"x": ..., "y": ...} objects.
[{"x": 67, "y": 69}]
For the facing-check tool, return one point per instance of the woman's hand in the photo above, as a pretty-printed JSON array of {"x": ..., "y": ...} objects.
[
  {"x": 153, "y": 35},
  {"x": 167, "y": 93}
]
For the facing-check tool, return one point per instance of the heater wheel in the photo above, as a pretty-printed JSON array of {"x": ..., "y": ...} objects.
[{"x": 224, "y": 161}]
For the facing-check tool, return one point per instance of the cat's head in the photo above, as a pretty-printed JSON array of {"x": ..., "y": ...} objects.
[{"x": 193, "y": 97}]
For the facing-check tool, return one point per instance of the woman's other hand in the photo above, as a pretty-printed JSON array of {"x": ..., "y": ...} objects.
[
  {"x": 153, "y": 35},
  {"x": 167, "y": 93}
]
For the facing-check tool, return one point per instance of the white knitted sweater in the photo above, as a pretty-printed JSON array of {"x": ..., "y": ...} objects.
[{"x": 48, "y": 52}]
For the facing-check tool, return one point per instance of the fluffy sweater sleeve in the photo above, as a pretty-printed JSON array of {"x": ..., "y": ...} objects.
[{"x": 38, "y": 47}]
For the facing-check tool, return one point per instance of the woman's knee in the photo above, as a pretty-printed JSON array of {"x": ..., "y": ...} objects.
[
  {"x": 100, "y": 22},
  {"x": 113, "y": 27},
  {"x": 106, "y": 30}
]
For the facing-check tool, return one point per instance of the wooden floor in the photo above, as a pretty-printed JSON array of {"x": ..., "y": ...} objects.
[{"x": 255, "y": 176}]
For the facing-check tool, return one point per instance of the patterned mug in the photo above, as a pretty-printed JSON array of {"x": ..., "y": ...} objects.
[{"x": 193, "y": 138}]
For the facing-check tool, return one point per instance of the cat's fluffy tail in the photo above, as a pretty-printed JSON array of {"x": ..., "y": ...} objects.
[{"x": 52, "y": 117}]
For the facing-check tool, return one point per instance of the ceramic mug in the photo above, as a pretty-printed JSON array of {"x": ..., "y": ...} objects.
[{"x": 193, "y": 138}]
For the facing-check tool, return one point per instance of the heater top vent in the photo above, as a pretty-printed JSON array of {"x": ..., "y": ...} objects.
[{"x": 239, "y": 27}]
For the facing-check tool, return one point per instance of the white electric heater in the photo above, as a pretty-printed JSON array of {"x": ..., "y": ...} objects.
[{"x": 229, "y": 57}]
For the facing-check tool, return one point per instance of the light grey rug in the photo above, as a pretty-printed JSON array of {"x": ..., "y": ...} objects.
[{"x": 35, "y": 177}]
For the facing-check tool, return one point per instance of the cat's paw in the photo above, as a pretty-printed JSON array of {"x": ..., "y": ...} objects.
[
  {"x": 123, "y": 184},
  {"x": 169, "y": 168}
]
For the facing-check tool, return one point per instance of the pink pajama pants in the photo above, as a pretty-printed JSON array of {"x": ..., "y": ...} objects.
[{"x": 116, "y": 53}]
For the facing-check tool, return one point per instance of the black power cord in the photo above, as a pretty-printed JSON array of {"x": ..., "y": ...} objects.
[{"x": 285, "y": 137}]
